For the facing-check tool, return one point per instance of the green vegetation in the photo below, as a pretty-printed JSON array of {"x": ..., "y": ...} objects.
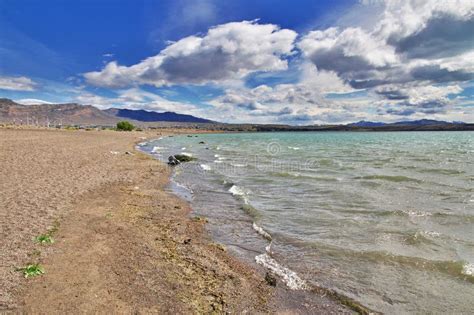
[
  {"x": 44, "y": 239},
  {"x": 125, "y": 126},
  {"x": 32, "y": 270}
]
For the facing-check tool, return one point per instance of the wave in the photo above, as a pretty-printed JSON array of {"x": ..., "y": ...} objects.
[
  {"x": 420, "y": 237},
  {"x": 468, "y": 269},
  {"x": 261, "y": 231},
  {"x": 156, "y": 149},
  {"x": 238, "y": 165},
  {"x": 289, "y": 277},
  {"x": 237, "y": 191},
  {"x": 251, "y": 211},
  {"x": 205, "y": 167},
  {"x": 390, "y": 178}
]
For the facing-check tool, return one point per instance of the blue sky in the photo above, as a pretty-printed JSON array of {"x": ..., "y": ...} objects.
[{"x": 296, "y": 62}]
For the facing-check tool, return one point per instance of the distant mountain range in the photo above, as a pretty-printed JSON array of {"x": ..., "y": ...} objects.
[
  {"x": 77, "y": 114},
  {"x": 150, "y": 116},
  {"x": 421, "y": 122}
]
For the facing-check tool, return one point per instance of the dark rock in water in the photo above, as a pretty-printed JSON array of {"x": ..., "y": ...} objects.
[
  {"x": 184, "y": 158},
  {"x": 172, "y": 160},
  {"x": 189, "y": 136},
  {"x": 202, "y": 142},
  {"x": 270, "y": 279}
]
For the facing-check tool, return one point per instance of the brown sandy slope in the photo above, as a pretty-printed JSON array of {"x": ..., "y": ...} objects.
[{"x": 123, "y": 245}]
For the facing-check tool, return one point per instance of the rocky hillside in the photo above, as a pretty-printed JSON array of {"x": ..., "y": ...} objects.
[{"x": 55, "y": 114}]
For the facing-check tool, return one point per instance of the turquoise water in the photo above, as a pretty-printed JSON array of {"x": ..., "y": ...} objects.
[{"x": 384, "y": 218}]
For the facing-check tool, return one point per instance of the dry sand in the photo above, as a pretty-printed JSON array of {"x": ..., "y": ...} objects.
[{"x": 123, "y": 244}]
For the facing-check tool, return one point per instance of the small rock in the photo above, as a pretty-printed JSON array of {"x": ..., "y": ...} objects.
[
  {"x": 129, "y": 153},
  {"x": 270, "y": 279},
  {"x": 173, "y": 161},
  {"x": 187, "y": 241}
]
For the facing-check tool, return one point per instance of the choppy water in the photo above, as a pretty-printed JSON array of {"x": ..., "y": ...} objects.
[{"x": 384, "y": 218}]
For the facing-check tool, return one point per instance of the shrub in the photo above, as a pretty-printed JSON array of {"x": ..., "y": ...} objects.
[
  {"x": 125, "y": 126},
  {"x": 44, "y": 239},
  {"x": 32, "y": 270}
]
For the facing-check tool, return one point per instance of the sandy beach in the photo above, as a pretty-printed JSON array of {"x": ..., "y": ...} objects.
[{"x": 122, "y": 243}]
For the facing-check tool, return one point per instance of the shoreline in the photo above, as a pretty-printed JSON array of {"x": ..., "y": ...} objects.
[
  {"x": 123, "y": 243},
  {"x": 290, "y": 286}
]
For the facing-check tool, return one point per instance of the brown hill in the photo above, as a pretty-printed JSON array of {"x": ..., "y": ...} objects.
[{"x": 55, "y": 114}]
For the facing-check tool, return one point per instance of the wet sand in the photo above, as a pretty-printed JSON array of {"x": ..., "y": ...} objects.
[{"x": 123, "y": 243}]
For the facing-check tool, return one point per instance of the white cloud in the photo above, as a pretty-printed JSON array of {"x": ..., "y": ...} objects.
[
  {"x": 31, "y": 101},
  {"x": 437, "y": 35},
  {"x": 227, "y": 52},
  {"x": 17, "y": 83},
  {"x": 135, "y": 98}
]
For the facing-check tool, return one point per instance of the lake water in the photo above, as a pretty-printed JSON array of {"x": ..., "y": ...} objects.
[{"x": 384, "y": 218}]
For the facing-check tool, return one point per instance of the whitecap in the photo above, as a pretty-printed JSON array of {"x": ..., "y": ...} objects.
[
  {"x": 261, "y": 231},
  {"x": 468, "y": 269},
  {"x": 205, "y": 167},
  {"x": 236, "y": 190},
  {"x": 294, "y": 148},
  {"x": 412, "y": 213},
  {"x": 289, "y": 277}
]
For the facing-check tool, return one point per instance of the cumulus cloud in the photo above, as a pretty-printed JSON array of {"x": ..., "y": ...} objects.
[
  {"x": 411, "y": 61},
  {"x": 414, "y": 41},
  {"x": 17, "y": 84},
  {"x": 229, "y": 51}
]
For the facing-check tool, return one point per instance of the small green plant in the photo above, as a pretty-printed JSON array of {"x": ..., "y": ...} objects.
[
  {"x": 125, "y": 126},
  {"x": 32, "y": 270},
  {"x": 44, "y": 239}
]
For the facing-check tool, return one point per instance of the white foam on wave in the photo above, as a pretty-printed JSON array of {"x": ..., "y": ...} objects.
[
  {"x": 289, "y": 277},
  {"x": 236, "y": 190},
  {"x": 468, "y": 269},
  {"x": 183, "y": 148},
  {"x": 141, "y": 144},
  {"x": 186, "y": 154},
  {"x": 217, "y": 161},
  {"x": 412, "y": 213},
  {"x": 261, "y": 231},
  {"x": 238, "y": 165},
  {"x": 216, "y": 155},
  {"x": 205, "y": 167},
  {"x": 294, "y": 148}
]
